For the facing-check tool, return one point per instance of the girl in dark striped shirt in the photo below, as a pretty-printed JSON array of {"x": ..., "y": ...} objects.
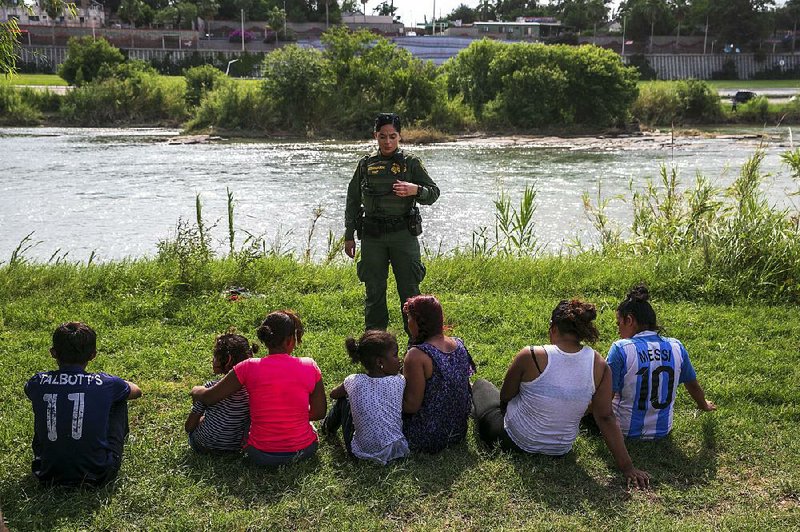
[{"x": 224, "y": 425}]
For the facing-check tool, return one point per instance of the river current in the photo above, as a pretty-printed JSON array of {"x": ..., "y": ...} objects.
[{"x": 117, "y": 192}]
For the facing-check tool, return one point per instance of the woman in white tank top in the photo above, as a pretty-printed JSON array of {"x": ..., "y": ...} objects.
[{"x": 548, "y": 389}]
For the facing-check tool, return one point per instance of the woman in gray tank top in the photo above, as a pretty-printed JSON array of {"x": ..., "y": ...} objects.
[{"x": 548, "y": 389}]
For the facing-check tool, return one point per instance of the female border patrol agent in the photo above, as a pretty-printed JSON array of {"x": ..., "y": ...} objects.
[{"x": 381, "y": 209}]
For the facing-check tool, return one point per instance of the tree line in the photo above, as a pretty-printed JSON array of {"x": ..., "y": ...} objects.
[{"x": 740, "y": 22}]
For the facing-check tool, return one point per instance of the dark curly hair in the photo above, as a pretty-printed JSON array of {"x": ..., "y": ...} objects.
[
  {"x": 278, "y": 327},
  {"x": 235, "y": 346},
  {"x": 637, "y": 304},
  {"x": 372, "y": 345},
  {"x": 576, "y": 317},
  {"x": 427, "y": 312}
]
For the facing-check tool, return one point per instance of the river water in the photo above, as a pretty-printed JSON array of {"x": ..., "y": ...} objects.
[{"x": 117, "y": 192}]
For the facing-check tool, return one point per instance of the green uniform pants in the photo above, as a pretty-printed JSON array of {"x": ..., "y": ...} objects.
[{"x": 401, "y": 250}]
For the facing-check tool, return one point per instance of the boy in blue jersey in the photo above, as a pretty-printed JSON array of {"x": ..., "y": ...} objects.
[
  {"x": 646, "y": 371},
  {"x": 80, "y": 419}
]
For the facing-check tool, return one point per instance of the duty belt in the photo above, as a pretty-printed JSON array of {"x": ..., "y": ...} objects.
[{"x": 388, "y": 224}]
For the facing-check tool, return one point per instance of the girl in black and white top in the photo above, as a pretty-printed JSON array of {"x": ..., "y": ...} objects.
[
  {"x": 369, "y": 405},
  {"x": 224, "y": 425}
]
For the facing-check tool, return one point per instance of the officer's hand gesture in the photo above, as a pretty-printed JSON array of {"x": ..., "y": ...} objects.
[
  {"x": 404, "y": 189},
  {"x": 350, "y": 248}
]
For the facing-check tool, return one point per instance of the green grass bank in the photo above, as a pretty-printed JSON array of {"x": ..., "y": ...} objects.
[{"x": 736, "y": 468}]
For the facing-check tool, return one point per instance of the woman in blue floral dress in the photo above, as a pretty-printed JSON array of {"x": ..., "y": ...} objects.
[{"x": 437, "y": 399}]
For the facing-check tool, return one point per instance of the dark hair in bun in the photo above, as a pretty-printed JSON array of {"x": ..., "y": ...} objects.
[
  {"x": 576, "y": 317},
  {"x": 234, "y": 346},
  {"x": 372, "y": 345},
  {"x": 637, "y": 304},
  {"x": 385, "y": 119},
  {"x": 427, "y": 312},
  {"x": 278, "y": 327}
]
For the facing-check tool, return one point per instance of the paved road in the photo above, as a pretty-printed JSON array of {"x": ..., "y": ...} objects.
[
  {"x": 58, "y": 89},
  {"x": 773, "y": 95}
]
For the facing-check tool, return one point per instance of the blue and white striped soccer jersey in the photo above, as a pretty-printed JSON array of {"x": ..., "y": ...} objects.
[{"x": 646, "y": 371}]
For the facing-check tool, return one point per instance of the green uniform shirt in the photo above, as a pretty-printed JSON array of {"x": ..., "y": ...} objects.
[{"x": 371, "y": 186}]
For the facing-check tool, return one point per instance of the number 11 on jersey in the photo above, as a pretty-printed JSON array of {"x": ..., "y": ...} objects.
[{"x": 77, "y": 414}]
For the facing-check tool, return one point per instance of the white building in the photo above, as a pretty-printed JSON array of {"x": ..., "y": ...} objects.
[{"x": 87, "y": 16}]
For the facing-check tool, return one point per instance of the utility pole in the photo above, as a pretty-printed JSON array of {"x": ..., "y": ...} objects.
[
  {"x": 624, "y": 21},
  {"x": 243, "y": 30},
  {"x": 433, "y": 20},
  {"x": 327, "y": 19},
  {"x": 705, "y": 37}
]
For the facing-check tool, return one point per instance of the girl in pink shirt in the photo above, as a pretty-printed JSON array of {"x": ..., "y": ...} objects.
[{"x": 286, "y": 394}]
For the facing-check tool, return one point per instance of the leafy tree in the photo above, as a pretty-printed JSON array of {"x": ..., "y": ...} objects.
[
  {"x": 8, "y": 47},
  {"x": 464, "y": 13},
  {"x": 370, "y": 74},
  {"x": 582, "y": 14},
  {"x": 296, "y": 82},
  {"x": 645, "y": 18},
  {"x": 792, "y": 12},
  {"x": 509, "y": 10},
  {"x": 276, "y": 19},
  {"x": 131, "y": 11},
  {"x": 739, "y": 22},
  {"x": 350, "y": 6},
  {"x": 238, "y": 6},
  {"x": 167, "y": 16},
  {"x": 146, "y": 17},
  {"x": 56, "y": 9},
  {"x": 207, "y": 10},
  {"x": 468, "y": 74},
  {"x": 187, "y": 15},
  {"x": 486, "y": 10},
  {"x": 528, "y": 85},
  {"x": 680, "y": 10},
  {"x": 85, "y": 57},
  {"x": 385, "y": 9},
  {"x": 201, "y": 80}
]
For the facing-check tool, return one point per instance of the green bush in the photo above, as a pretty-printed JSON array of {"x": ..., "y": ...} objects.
[
  {"x": 43, "y": 100},
  {"x": 127, "y": 70},
  {"x": 14, "y": 109},
  {"x": 657, "y": 104},
  {"x": 677, "y": 102},
  {"x": 531, "y": 97},
  {"x": 368, "y": 74},
  {"x": 467, "y": 74},
  {"x": 699, "y": 102},
  {"x": 296, "y": 80},
  {"x": 449, "y": 114},
  {"x": 144, "y": 98},
  {"x": 85, "y": 57},
  {"x": 640, "y": 62},
  {"x": 588, "y": 85},
  {"x": 201, "y": 80},
  {"x": 234, "y": 106},
  {"x": 756, "y": 109}
]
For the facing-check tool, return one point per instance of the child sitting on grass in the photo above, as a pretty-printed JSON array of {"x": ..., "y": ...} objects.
[
  {"x": 223, "y": 426},
  {"x": 285, "y": 394},
  {"x": 369, "y": 406},
  {"x": 646, "y": 371},
  {"x": 80, "y": 419}
]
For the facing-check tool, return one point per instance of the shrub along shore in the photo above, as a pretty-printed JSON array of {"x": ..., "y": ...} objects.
[
  {"x": 490, "y": 86},
  {"x": 724, "y": 271}
]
